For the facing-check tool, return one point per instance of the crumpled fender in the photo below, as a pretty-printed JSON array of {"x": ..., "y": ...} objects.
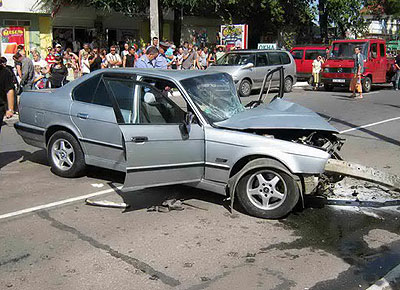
[{"x": 255, "y": 164}]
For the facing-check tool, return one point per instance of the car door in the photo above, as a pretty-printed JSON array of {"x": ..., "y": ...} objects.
[
  {"x": 261, "y": 68},
  {"x": 158, "y": 151},
  {"x": 93, "y": 114},
  {"x": 298, "y": 55},
  {"x": 274, "y": 61},
  {"x": 382, "y": 64},
  {"x": 373, "y": 63}
]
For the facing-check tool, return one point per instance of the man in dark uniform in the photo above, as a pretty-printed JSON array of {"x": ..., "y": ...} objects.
[{"x": 6, "y": 94}]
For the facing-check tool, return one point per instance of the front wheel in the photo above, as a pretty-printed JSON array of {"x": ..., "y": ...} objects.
[
  {"x": 366, "y": 85},
  {"x": 288, "y": 85},
  {"x": 65, "y": 155},
  {"x": 268, "y": 193},
  {"x": 245, "y": 88}
]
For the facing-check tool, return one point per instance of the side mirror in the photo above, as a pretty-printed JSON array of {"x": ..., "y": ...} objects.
[
  {"x": 248, "y": 65},
  {"x": 186, "y": 126},
  {"x": 150, "y": 99}
]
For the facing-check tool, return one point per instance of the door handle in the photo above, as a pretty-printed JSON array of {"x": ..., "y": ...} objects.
[
  {"x": 82, "y": 116},
  {"x": 139, "y": 139}
]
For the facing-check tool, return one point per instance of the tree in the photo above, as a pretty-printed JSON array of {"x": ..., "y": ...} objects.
[
  {"x": 263, "y": 16},
  {"x": 345, "y": 15}
]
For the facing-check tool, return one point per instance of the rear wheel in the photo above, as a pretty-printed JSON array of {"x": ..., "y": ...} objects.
[
  {"x": 268, "y": 193},
  {"x": 245, "y": 88},
  {"x": 65, "y": 155},
  {"x": 366, "y": 84},
  {"x": 288, "y": 84}
]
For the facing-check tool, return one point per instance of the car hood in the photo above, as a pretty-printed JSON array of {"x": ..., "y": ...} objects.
[
  {"x": 230, "y": 69},
  {"x": 279, "y": 114}
]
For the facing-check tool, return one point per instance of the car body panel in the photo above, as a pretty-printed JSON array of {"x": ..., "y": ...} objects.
[{"x": 279, "y": 114}]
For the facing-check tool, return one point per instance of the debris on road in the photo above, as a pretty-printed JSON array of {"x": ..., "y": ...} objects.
[
  {"x": 345, "y": 168},
  {"x": 107, "y": 203}
]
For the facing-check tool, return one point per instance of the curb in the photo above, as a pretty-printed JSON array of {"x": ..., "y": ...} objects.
[{"x": 387, "y": 282}]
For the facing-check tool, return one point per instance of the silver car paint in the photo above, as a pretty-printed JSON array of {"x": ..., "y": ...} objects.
[
  {"x": 208, "y": 166},
  {"x": 256, "y": 74},
  {"x": 279, "y": 114}
]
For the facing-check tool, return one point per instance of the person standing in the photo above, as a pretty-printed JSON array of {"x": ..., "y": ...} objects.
[
  {"x": 130, "y": 58},
  {"x": 125, "y": 52},
  {"x": 27, "y": 71},
  {"x": 6, "y": 95},
  {"x": 58, "y": 73},
  {"x": 212, "y": 57},
  {"x": 358, "y": 70},
  {"x": 85, "y": 68},
  {"x": 161, "y": 60},
  {"x": 316, "y": 71},
  {"x": 147, "y": 60},
  {"x": 397, "y": 74},
  {"x": 95, "y": 60},
  {"x": 113, "y": 59},
  {"x": 189, "y": 57}
]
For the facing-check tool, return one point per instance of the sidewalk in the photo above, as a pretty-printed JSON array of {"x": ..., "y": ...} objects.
[{"x": 301, "y": 85}]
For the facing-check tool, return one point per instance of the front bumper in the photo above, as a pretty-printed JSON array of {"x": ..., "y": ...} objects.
[{"x": 336, "y": 82}]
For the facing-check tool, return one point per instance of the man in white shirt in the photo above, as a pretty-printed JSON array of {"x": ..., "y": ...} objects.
[{"x": 113, "y": 59}]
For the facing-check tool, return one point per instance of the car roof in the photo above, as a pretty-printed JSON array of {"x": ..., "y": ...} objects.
[
  {"x": 310, "y": 47},
  {"x": 255, "y": 50},
  {"x": 161, "y": 73}
]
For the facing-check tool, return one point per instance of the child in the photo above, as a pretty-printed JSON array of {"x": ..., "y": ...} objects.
[{"x": 39, "y": 80}]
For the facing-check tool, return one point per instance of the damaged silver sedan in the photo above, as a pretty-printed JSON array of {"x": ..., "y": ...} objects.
[{"x": 181, "y": 127}]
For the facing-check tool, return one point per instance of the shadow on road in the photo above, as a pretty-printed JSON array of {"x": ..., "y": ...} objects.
[{"x": 8, "y": 157}]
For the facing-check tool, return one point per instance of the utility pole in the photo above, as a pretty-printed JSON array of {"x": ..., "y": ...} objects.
[{"x": 154, "y": 19}]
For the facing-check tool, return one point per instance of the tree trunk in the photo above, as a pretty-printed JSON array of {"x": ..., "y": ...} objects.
[
  {"x": 323, "y": 21},
  {"x": 154, "y": 19},
  {"x": 177, "y": 26}
]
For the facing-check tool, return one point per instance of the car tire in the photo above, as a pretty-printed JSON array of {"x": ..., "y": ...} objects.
[
  {"x": 65, "y": 155},
  {"x": 268, "y": 193},
  {"x": 245, "y": 88},
  {"x": 288, "y": 85},
  {"x": 328, "y": 87},
  {"x": 366, "y": 85}
]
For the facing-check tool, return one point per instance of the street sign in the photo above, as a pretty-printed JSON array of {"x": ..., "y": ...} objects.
[{"x": 267, "y": 46}]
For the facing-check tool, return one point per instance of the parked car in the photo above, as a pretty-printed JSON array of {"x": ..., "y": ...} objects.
[
  {"x": 248, "y": 68},
  {"x": 304, "y": 57},
  {"x": 337, "y": 70},
  {"x": 166, "y": 127}
]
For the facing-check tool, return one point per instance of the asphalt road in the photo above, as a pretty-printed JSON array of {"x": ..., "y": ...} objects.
[{"x": 76, "y": 246}]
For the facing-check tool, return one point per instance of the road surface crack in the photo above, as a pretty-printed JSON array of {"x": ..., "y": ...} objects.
[{"x": 142, "y": 266}]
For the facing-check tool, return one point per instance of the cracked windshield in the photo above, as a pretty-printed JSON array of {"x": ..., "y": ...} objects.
[{"x": 215, "y": 95}]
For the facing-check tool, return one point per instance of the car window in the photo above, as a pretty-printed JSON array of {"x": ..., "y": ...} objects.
[
  {"x": 261, "y": 59},
  {"x": 382, "y": 49},
  {"x": 297, "y": 54},
  {"x": 101, "y": 96},
  {"x": 274, "y": 58},
  {"x": 374, "y": 50},
  {"x": 285, "y": 59},
  {"x": 160, "y": 102},
  {"x": 123, "y": 92},
  {"x": 85, "y": 91},
  {"x": 312, "y": 54}
]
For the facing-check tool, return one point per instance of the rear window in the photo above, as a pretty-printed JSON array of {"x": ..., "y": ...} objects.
[
  {"x": 285, "y": 59},
  {"x": 298, "y": 54},
  {"x": 274, "y": 58},
  {"x": 312, "y": 54}
]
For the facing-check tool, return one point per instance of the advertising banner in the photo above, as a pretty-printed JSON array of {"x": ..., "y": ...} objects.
[
  {"x": 234, "y": 35},
  {"x": 267, "y": 46},
  {"x": 11, "y": 37}
]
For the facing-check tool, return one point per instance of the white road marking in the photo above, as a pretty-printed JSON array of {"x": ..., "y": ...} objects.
[
  {"x": 56, "y": 203},
  {"x": 369, "y": 125}
]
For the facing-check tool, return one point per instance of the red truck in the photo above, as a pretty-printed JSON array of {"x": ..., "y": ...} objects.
[{"x": 338, "y": 69}]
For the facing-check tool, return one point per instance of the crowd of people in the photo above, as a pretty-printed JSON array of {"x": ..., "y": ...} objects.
[{"x": 61, "y": 66}]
